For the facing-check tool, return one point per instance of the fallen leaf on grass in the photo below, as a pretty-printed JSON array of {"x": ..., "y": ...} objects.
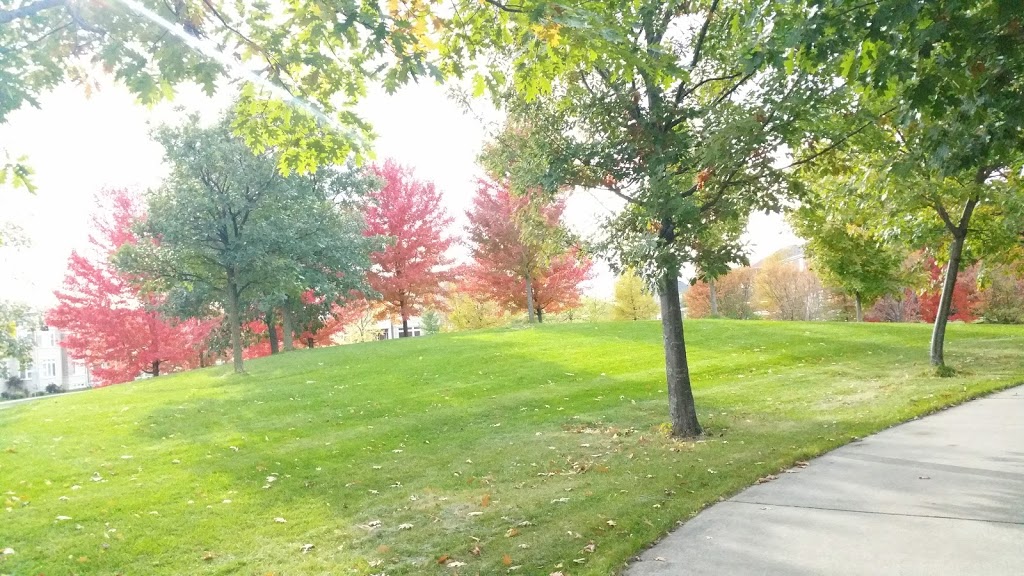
[
  {"x": 556, "y": 574},
  {"x": 280, "y": 520},
  {"x": 307, "y": 547},
  {"x": 590, "y": 547},
  {"x": 506, "y": 560},
  {"x": 207, "y": 556},
  {"x": 444, "y": 559},
  {"x": 485, "y": 501},
  {"x": 7, "y": 551},
  {"x": 62, "y": 518},
  {"x": 476, "y": 550},
  {"x": 456, "y": 564},
  {"x": 405, "y": 526},
  {"x": 802, "y": 464},
  {"x": 559, "y": 500},
  {"x": 610, "y": 522},
  {"x": 767, "y": 478},
  {"x": 511, "y": 532},
  {"x": 474, "y": 514}
]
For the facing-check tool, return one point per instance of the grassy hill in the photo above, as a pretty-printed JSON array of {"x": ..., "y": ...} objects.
[{"x": 539, "y": 448}]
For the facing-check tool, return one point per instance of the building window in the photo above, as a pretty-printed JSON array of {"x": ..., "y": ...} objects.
[
  {"x": 49, "y": 369},
  {"x": 77, "y": 368},
  {"x": 27, "y": 371},
  {"x": 53, "y": 337}
]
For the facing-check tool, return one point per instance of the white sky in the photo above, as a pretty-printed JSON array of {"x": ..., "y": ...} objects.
[{"x": 78, "y": 145}]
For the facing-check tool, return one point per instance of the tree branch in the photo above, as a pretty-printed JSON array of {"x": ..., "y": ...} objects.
[
  {"x": 27, "y": 10},
  {"x": 703, "y": 35},
  {"x": 941, "y": 210},
  {"x": 839, "y": 142},
  {"x": 505, "y": 7}
]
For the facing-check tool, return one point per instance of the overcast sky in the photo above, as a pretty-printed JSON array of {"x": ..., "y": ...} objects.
[{"x": 79, "y": 145}]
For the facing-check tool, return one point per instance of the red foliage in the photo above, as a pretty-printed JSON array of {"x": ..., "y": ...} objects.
[
  {"x": 340, "y": 317},
  {"x": 965, "y": 294},
  {"x": 409, "y": 272},
  {"x": 503, "y": 259},
  {"x": 107, "y": 322}
]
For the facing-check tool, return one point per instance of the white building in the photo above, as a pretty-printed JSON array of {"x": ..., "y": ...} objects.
[
  {"x": 388, "y": 329},
  {"x": 50, "y": 365}
]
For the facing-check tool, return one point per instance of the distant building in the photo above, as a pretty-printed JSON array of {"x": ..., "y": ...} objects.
[
  {"x": 788, "y": 255},
  {"x": 388, "y": 330},
  {"x": 50, "y": 364}
]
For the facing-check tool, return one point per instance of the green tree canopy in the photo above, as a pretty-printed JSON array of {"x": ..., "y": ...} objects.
[{"x": 227, "y": 231}]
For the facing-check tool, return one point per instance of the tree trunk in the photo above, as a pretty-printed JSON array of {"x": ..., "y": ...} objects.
[
  {"x": 956, "y": 249},
  {"x": 405, "y": 328},
  {"x": 287, "y": 329},
  {"x": 681, "y": 408},
  {"x": 272, "y": 332},
  {"x": 156, "y": 368},
  {"x": 310, "y": 342},
  {"x": 858, "y": 304},
  {"x": 529, "y": 298},
  {"x": 540, "y": 316},
  {"x": 714, "y": 298},
  {"x": 235, "y": 321}
]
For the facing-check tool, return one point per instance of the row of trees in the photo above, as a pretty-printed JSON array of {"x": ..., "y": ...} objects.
[
  {"x": 230, "y": 254},
  {"x": 900, "y": 117},
  {"x": 786, "y": 289}
]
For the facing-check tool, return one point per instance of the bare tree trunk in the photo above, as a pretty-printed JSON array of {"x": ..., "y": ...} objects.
[
  {"x": 714, "y": 298},
  {"x": 858, "y": 304},
  {"x": 310, "y": 342},
  {"x": 287, "y": 329},
  {"x": 956, "y": 250},
  {"x": 156, "y": 368},
  {"x": 235, "y": 321},
  {"x": 682, "y": 410},
  {"x": 529, "y": 298},
  {"x": 540, "y": 316},
  {"x": 272, "y": 332},
  {"x": 405, "y": 328}
]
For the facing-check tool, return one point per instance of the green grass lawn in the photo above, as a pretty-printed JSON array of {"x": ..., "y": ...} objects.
[{"x": 533, "y": 450}]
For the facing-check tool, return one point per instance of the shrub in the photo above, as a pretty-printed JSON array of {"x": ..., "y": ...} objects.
[{"x": 53, "y": 389}]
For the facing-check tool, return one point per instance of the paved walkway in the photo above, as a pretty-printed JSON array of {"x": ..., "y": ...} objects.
[{"x": 940, "y": 495}]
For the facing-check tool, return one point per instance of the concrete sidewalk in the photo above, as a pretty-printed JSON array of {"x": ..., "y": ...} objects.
[{"x": 940, "y": 495}]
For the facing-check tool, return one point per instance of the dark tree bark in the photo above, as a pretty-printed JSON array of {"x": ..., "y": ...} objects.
[
  {"x": 859, "y": 305},
  {"x": 310, "y": 342},
  {"x": 540, "y": 316},
  {"x": 156, "y": 368},
  {"x": 405, "y": 328},
  {"x": 529, "y": 299},
  {"x": 272, "y": 332},
  {"x": 956, "y": 251},
  {"x": 714, "y": 298},
  {"x": 287, "y": 330},
  {"x": 235, "y": 321},
  {"x": 681, "y": 408}
]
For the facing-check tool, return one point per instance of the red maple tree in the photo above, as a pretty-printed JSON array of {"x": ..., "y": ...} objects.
[
  {"x": 409, "y": 272},
  {"x": 317, "y": 324},
  {"x": 107, "y": 321},
  {"x": 506, "y": 252},
  {"x": 965, "y": 294}
]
